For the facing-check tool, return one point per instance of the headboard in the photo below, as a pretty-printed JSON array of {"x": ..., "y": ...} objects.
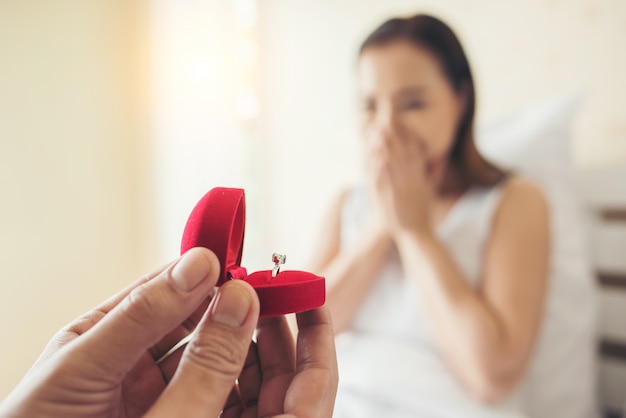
[{"x": 604, "y": 192}]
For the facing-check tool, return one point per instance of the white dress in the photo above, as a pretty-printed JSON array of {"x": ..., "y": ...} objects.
[{"x": 389, "y": 365}]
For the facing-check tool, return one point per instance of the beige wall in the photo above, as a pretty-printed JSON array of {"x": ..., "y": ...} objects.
[{"x": 71, "y": 165}]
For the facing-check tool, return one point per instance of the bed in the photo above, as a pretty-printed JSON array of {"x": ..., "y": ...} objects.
[{"x": 604, "y": 194}]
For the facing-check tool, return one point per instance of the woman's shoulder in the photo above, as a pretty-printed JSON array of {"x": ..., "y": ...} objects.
[
  {"x": 350, "y": 195},
  {"x": 342, "y": 196},
  {"x": 521, "y": 188},
  {"x": 341, "y": 200},
  {"x": 522, "y": 198}
]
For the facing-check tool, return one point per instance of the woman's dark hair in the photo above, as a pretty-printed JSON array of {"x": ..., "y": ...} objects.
[{"x": 431, "y": 33}]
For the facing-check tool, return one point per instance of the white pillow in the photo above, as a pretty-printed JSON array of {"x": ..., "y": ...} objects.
[
  {"x": 537, "y": 135},
  {"x": 535, "y": 143}
]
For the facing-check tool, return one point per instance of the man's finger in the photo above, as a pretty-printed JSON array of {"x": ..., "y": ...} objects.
[
  {"x": 149, "y": 312},
  {"x": 278, "y": 364},
  {"x": 214, "y": 357},
  {"x": 86, "y": 321},
  {"x": 313, "y": 389},
  {"x": 106, "y": 306},
  {"x": 250, "y": 379},
  {"x": 180, "y": 332},
  {"x": 233, "y": 408}
]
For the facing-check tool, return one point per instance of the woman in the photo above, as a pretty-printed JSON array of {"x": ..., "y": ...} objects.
[{"x": 437, "y": 267}]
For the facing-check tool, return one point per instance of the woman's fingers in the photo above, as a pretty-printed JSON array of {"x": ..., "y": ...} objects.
[
  {"x": 214, "y": 357},
  {"x": 313, "y": 388}
]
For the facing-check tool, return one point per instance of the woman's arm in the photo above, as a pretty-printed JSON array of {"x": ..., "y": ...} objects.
[
  {"x": 351, "y": 273},
  {"x": 487, "y": 335}
]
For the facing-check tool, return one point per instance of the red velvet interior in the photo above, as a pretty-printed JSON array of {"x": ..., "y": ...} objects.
[
  {"x": 217, "y": 222},
  {"x": 290, "y": 291}
]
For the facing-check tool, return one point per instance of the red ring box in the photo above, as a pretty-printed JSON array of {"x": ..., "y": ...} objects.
[{"x": 217, "y": 222}]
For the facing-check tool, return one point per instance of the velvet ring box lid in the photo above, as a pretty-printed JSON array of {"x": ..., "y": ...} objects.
[{"x": 217, "y": 222}]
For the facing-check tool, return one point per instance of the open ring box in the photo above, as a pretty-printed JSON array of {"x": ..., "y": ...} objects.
[{"x": 217, "y": 222}]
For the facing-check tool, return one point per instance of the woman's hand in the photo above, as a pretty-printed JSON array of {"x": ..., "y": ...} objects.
[
  {"x": 106, "y": 363},
  {"x": 401, "y": 188}
]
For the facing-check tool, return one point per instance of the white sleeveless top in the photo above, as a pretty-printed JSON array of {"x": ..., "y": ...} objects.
[
  {"x": 388, "y": 362},
  {"x": 393, "y": 298}
]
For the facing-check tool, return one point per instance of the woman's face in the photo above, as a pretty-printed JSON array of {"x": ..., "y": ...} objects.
[{"x": 404, "y": 93}]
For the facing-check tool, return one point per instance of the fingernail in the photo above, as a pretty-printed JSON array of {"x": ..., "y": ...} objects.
[
  {"x": 231, "y": 306},
  {"x": 190, "y": 271}
]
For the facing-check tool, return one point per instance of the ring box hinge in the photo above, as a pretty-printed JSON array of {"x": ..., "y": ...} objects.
[{"x": 236, "y": 273}]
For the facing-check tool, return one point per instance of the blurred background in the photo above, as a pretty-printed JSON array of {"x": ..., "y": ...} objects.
[{"x": 116, "y": 116}]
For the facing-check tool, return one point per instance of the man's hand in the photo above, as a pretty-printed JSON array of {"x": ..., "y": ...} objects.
[
  {"x": 282, "y": 380},
  {"x": 105, "y": 362}
]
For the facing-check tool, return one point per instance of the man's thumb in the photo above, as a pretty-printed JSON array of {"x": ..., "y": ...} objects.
[{"x": 214, "y": 357}]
